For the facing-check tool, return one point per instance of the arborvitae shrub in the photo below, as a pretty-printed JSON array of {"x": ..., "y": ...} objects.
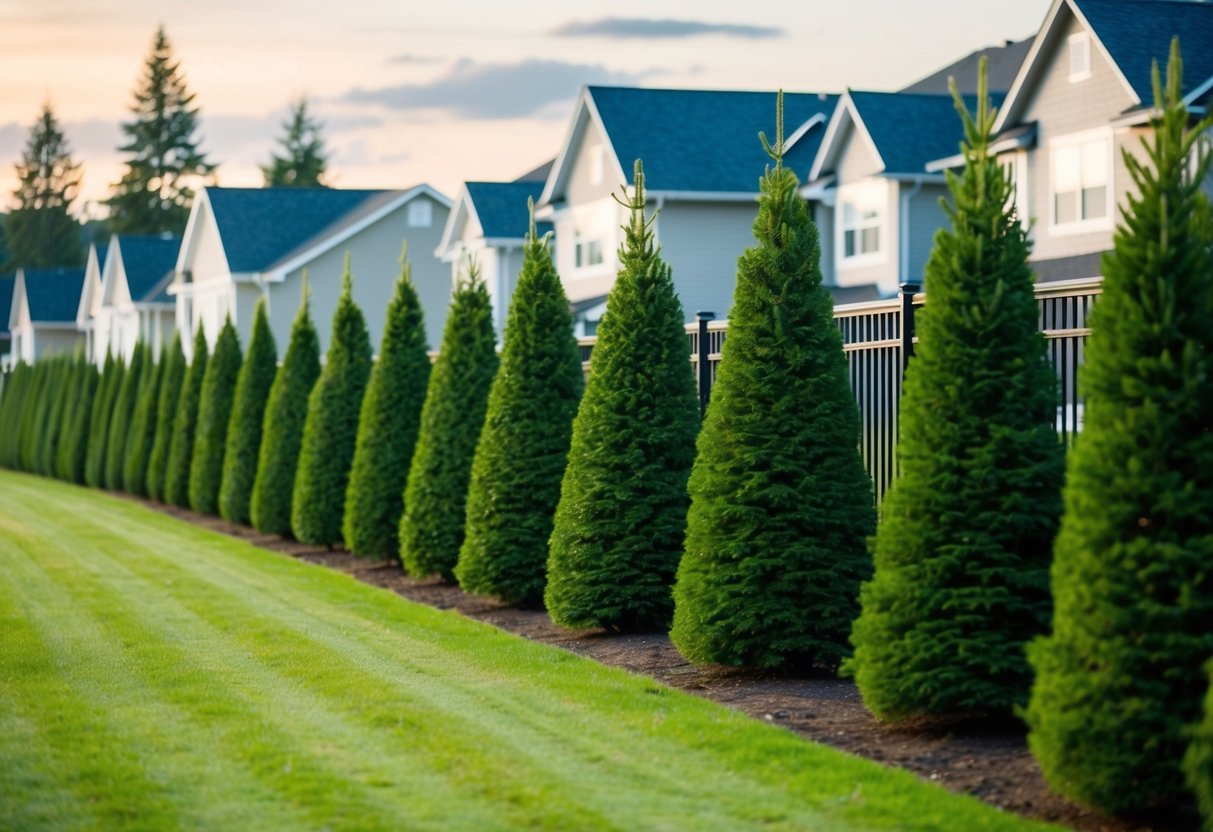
[
  {"x": 282, "y": 430},
  {"x": 73, "y": 443},
  {"x": 63, "y": 378},
  {"x": 247, "y": 417},
  {"x": 143, "y": 428},
  {"x": 387, "y": 427},
  {"x": 35, "y": 413},
  {"x": 331, "y": 428},
  {"x": 621, "y": 519},
  {"x": 781, "y": 506},
  {"x": 1121, "y": 676},
  {"x": 99, "y": 421},
  {"x": 524, "y": 446},
  {"x": 16, "y": 388},
  {"x": 185, "y": 423},
  {"x": 62, "y": 418},
  {"x": 123, "y": 415},
  {"x": 166, "y": 416},
  {"x": 1198, "y": 761},
  {"x": 431, "y": 528},
  {"x": 214, "y": 414}
]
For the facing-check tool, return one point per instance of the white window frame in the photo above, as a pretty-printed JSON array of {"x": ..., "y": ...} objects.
[
  {"x": 420, "y": 213},
  {"x": 585, "y": 241},
  {"x": 1095, "y": 224},
  {"x": 1017, "y": 162},
  {"x": 868, "y": 195},
  {"x": 1080, "y": 41}
]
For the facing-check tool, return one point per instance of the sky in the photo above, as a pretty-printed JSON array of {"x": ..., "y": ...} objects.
[{"x": 443, "y": 92}]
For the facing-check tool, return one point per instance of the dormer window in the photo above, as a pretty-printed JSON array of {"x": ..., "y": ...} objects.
[
  {"x": 1080, "y": 57},
  {"x": 421, "y": 214},
  {"x": 862, "y": 215}
]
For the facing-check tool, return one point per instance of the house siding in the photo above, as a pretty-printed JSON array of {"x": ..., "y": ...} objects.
[
  {"x": 702, "y": 242},
  {"x": 926, "y": 217},
  {"x": 856, "y": 160}
]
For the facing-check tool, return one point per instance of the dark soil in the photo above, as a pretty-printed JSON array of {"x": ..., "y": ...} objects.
[{"x": 989, "y": 761}]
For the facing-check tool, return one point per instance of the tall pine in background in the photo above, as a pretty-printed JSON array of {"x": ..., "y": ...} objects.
[
  {"x": 302, "y": 159},
  {"x": 387, "y": 426},
  {"x": 524, "y": 446},
  {"x": 166, "y": 416},
  {"x": 214, "y": 415},
  {"x": 330, "y": 431},
  {"x": 121, "y": 417},
  {"x": 181, "y": 448},
  {"x": 248, "y": 414},
  {"x": 620, "y": 522},
  {"x": 1121, "y": 676},
  {"x": 143, "y": 428},
  {"x": 282, "y": 429},
  {"x": 162, "y": 151},
  {"x": 781, "y": 505},
  {"x": 39, "y": 230},
  {"x": 431, "y": 528}
]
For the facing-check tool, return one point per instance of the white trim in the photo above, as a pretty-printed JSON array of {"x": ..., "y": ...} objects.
[
  {"x": 585, "y": 112},
  {"x": 1078, "y": 38},
  {"x": 827, "y": 152},
  {"x": 1200, "y": 90},
  {"x": 871, "y": 191},
  {"x": 799, "y": 133},
  {"x": 462, "y": 206},
  {"x": 1083, "y": 226},
  {"x": 185, "y": 253}
]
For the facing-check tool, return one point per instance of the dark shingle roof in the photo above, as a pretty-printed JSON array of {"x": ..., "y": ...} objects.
[
  {"x": 53, "y": 294},
  {"x": 147, "y": 260},
  {"x": 1137, "y": 32},
  {"x": 261, "y": 226},
  {"x": 705, "y": 140},
  {"x": 501, "y": 208},
  {"x": 537, "y": 174},
  {"x": 1002, "y": 67},
  {"x": 7, "y": 282},
  {"x": 909, "y": 129}
]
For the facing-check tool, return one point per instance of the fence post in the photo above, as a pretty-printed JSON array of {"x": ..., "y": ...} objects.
[
  {"x": 705, "y": 366},
  {"x": 908, "y": 291}
]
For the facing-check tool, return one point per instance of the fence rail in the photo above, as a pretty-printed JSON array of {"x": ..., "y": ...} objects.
[{"x": 878, "y": 339}]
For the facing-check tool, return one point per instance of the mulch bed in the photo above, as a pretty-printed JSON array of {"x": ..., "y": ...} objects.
[{"x": 990, "y": 762}]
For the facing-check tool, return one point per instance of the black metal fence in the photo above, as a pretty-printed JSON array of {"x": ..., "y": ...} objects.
[{"x": 878, "y": 339}]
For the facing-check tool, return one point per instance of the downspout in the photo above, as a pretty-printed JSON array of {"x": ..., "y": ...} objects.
[{"x": 903, "y": 226}]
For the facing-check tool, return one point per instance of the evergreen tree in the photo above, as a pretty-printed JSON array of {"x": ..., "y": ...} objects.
[
  {"x": 166, "y": 416},
  {"x": 143, "y": 427},
  {"x": 99, "y": 420},
  {"x": 303, "y": 160},
  {"x": 435, "y": 496},
  {"x": 1198, "y": 761},
  {"x": 185, "y": 423},
  {"x": 154, "y": 195},
  {"x": 524, "y": 446},
  {"x": 331, "y": 428},
  {"x": 62, "y": 373},
  {"x": 214, "y": 415},
  {"x": 60, "y": 421},
  {"x": 121, "y": 418},
  {"x": 387, "y": 426},
  {"x": 781, "y": 505},
  {"x": 34, "y": 426},
  {"x": 248, "y": 414},
  {"x": 40, "y": 231},
  {"x": 623, "y": 502},
  {"x": 282, "y": 430},
  {"x": 1120, "y": 678},
  {"x": 15, "y": 390},
  {"x": 73, "y": 444}
]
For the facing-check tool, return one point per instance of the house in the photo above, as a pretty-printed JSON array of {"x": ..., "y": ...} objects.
[
  {"x": 133, "y": 304},
  {"x": 488, "y": 225},
  {"x": 702, "y": 162},
  {"x": 243, "y": 244},
  {"x": 1083, "y": 98},
  {"x": 42, "y": 318},
  {"x": 90, "y": 304},
  {"x": 7, "y": 283}
]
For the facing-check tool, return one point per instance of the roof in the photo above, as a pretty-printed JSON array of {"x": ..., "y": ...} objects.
[
  {"x": 1003, "y": 63},
  {"x": 147, "y": 261},
  {"x": 705, "y": 140},
  {"x": 7, "y": 283},
  {"x": 538, "y": 174},
  {"x": 912, "y": 129},
  {"x": 53, "y": 294},
  {"x": 501, "y": 208}
]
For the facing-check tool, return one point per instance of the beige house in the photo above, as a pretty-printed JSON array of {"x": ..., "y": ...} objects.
[{"x": 131, "y": 304}]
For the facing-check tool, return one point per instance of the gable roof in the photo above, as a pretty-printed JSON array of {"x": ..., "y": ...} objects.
[
  {"x": 53, "y": 295},
  {"x": 146, "y": 261},
  {"x": 7, "y": 283},
  {"x": 501, "y": 208},
  {"x": 695, "y": 141},
  {"x": 94, "y": 267},
  {"x": 1003, "y": 63}
]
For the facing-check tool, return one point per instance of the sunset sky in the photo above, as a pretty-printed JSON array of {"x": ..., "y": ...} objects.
[{"x": 449, "y": 91}]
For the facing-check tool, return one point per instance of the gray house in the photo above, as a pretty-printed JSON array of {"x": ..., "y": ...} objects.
[{"x": 42, "y": 316}]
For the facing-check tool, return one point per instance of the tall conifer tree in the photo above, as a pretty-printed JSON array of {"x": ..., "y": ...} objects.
[
  {"x": 214, "y": 415},
  {"x": 121, "y": 418},
  {"x": 248, "y": 416},
  {"x": 302, "y": 160},
  {"x": 73, "y": 444},
  {"x": 143, "y": 428},
  {"x": 40, "y": 231},
  {"x": 185, "y": 423},
  {"x": 166, "y": 417},
  {"x": 99, "y": 420}
]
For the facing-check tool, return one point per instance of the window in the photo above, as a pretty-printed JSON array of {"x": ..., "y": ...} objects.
[
  {"x": 1016, "y": 166},
  {"x": 1081, "y": 181},
  {"x": 587, "y": 251},
  {"x": 1080, "y": 57},
  {"x": 421, "y": 213},
  {"x": 862, "y": 214}
]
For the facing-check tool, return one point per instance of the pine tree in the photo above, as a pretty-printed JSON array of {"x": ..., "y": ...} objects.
[
  {"x": 388, "y": 426},
  {"x": 154, "y": 195},
  {"x": 282, "y": 430},
  {"x": 15, "y": 391},
  {"x": 331, "y": 428},
  {"x": 99, "y": 420},
  {"x": 73, "y": 444},
  {"x": 121, "y": 418},
  {"x": 62, "y": 372},
  {"x": 185, "y": 423},
  {"x": 435, "y": 497},
  {"x": 1198, "y": 761},
  {"x": 303, "y": 160},
  {"x": 60, "y": 420},
  {"x": 781, "y": 505},
  {"x": 1120, "y": 678},
  {"x": 524, "y": 446},
  {"x": 40, "y": 231},
  {"x": 166, "y": 417},
  {"x": 248, "y": 415},
  {"x": 33, "y": 415},
  {"x": 214, "y": 415},
  {"x": 621, "y": 518},
  {"x": 143, "y": 427}
]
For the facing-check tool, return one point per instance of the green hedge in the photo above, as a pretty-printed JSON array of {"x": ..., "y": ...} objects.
[
  {"x": 143, "y": 428},
  {"x": 185, "y": 423},
  {"x": 243, "y": 445},
  {"x": 214, "y": 414},
  {"x": 166, "y": 417}
]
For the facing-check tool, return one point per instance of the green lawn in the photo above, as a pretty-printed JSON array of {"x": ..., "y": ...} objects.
[{"x": 157, "y": 676}]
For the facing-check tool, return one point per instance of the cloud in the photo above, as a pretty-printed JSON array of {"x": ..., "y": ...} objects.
[
  {"x": 493, "y": 91},
  {"x": 413, "y": 59},
  {"x": 650, "y": 29}
]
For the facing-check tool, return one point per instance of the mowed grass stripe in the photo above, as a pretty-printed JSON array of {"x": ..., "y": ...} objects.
[{"x": 409, "y": 717}]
